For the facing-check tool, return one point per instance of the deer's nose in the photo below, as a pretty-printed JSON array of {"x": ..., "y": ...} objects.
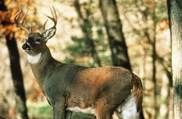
[{"x": 26, "y": 46}]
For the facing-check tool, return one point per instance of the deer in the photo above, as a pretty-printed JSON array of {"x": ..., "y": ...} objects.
[{"x": 101, "y": 91}]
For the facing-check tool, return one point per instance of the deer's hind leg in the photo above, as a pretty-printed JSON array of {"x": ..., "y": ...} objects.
[
  {"x": 103, "y": 114},
  {"x": 103, "y": 110}
]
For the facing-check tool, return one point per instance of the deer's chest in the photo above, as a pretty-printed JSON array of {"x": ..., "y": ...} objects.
[{"x": 54, "y": 89}]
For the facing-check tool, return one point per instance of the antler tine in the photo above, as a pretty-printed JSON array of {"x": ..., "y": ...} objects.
[
  {"x": 53, "y": 12},
  {"x": 44, "y": 25},
  {"x": 17, "y": 17},
  {"x": 53, "y": 18},
  {"x": 19, "y": 20}
]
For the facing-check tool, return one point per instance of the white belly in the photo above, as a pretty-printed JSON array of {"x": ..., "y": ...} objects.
[{"x": 88, "y": 110}]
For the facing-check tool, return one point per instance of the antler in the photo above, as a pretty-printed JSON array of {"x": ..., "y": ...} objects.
[
  {"x": 53, "y": 19},
  {"x": 19, "y": 20}
]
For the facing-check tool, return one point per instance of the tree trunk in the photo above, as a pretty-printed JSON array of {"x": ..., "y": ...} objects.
[
  {"x": 113, "y": 25},
  {"x": 86, "y": 27},
  {"x": 17, "y": 76},
  {"x": 175, "y": 18},
  {"x": 154, "y": 77},
  {"x": 154, "y": 68}
]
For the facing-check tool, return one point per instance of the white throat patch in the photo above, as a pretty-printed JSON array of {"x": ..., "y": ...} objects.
[{"x": 34, "y": 59}]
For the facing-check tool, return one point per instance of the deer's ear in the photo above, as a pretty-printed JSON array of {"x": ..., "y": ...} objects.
[{"x": 49, "y": 33}]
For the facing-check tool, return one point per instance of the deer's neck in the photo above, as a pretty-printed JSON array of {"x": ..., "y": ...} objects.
[{"x": 42, "y": 64}]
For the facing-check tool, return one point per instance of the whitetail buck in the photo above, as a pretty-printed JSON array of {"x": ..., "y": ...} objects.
[{"x": 68, "y": 87}]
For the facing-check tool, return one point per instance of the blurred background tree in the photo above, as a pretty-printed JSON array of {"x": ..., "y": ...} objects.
[
  {"x": 86, "y": 27},
  {"x": 129, "y": 33},
  {"x": 116, "y": 38},
  {"x": 8, "y": 26},
  {"x": 176, "y": 32}
]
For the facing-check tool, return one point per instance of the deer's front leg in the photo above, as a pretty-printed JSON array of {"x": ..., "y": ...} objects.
[
  {"x": 68, "y": 114},
  {"x": 59, "y": 109}
]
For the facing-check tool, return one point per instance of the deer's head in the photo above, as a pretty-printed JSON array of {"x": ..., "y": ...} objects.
[{"x": 36, "y": 41}]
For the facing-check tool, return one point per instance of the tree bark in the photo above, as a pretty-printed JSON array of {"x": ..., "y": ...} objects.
[
  {"x": 17, "y": 76},
  {"x": 175, "y": 18},
  {"x": 113, "y": 25},
  {"x": 15, "y": 68}
]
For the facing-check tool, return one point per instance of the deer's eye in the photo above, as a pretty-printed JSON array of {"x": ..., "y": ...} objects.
[{"x": 37, "y": 41}]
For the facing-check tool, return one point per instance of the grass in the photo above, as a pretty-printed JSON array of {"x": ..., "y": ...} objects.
[{"x": 40, "y": 110}]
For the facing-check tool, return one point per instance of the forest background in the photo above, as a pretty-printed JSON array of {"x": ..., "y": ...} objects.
[{"x": 129, "y": 33}]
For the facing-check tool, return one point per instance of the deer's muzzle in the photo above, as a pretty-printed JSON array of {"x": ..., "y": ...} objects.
[{"x": 26, "y": 46}]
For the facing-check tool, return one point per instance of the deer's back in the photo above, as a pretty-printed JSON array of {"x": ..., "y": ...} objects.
[{"x": 94, "y": 84}]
